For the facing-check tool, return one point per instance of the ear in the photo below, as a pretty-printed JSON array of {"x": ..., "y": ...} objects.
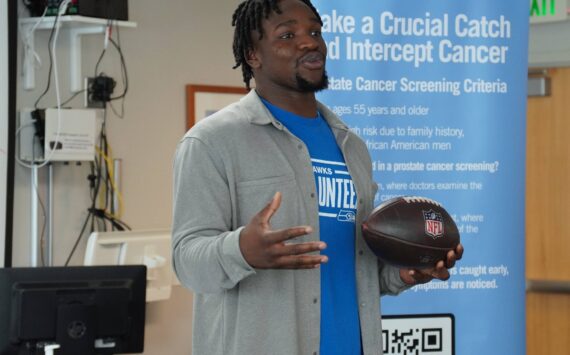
[{"x": 252, "y": 59}]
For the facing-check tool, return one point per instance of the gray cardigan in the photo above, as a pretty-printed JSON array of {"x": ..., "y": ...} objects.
[{"x": 227, "y": 168}]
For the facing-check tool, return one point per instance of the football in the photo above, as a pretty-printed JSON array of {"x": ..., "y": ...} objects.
[{"x": 410, "y": 231}]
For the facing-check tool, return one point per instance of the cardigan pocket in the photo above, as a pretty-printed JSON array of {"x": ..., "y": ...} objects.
[
  {"x": 254, "y": 195},
  {"x": 271, "y": 180}
]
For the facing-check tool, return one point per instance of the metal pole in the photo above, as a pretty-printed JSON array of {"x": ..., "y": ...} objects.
[
  {"x": 34, "y": 217},
  {"x": 49, "y": 216}
]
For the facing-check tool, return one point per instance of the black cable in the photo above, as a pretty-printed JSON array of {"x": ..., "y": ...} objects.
[
  {"x": 124, "y": 73},
  {"x": 99, "y": 162},
  {"x": 98, "y": 171},
  {"x": 78, "y": 239},
  {"x": 102, "y": 224},
  {"x": 118, "y": 223},
  {"x": 119, "y": 47},
  {"x": 102, "y": 215},
  {"x": 124, "y": 76},
  {"x": 50, "y": 59},
  {"x": 102, "y": 53},
  {"x": 107, "y": 177},
  {"x": 99, "y": 61},
  {"x": 122, "y": 223},
  {"x": 112, "y": 194},
  {"x": 122, "y": 114},
  {"x": 109, "y": 193},
  {"x": 94, "y": 187},
  {"x": 123, "y": 70},
  {"x": 108, "y": 181},
  {"x": 100, "y": 174},
  {"x": 95, "y": 191},
  {"x": 72, "y": 97},
  {"x": 91, "y": 177}
]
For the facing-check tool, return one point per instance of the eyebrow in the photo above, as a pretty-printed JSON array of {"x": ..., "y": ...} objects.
[{"x": 294, "y": 22}]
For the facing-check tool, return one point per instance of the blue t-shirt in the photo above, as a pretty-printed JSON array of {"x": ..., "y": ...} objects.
[{"x": 340, "y": 325}]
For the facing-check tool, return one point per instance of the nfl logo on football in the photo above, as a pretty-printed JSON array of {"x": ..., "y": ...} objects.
[{"x": 434, "y": 224}]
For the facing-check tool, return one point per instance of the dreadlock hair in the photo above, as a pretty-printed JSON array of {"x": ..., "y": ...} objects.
[{"x": 246, "y": 19}]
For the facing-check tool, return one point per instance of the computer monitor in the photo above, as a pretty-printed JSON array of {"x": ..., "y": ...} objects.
[
  {"x": 84, "y": 310},
  {"x": 147, "y": 247}
]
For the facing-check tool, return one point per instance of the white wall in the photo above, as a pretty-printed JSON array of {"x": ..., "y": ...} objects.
[{"x": 177, "y": 42}]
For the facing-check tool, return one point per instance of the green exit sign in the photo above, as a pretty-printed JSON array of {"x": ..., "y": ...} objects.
[{"x": 548, "y": 10}]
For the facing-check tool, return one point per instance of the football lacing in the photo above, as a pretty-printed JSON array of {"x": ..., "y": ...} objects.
[{"x": 413, "y": 199}]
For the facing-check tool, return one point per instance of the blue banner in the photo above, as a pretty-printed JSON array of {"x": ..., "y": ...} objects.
[{"x": 437, "y": 90}]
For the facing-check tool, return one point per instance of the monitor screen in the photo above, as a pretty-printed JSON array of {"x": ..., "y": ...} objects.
[{"x": 83, "y": 310}]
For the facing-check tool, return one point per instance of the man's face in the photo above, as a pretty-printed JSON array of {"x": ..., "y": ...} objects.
[{"x": 292, "y": 52}]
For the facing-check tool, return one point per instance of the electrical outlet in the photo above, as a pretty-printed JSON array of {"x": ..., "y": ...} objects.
[{"x": 90, "y": 102}]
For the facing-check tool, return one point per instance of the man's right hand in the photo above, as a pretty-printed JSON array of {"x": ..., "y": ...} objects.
[{"x": 264, "y": 248}]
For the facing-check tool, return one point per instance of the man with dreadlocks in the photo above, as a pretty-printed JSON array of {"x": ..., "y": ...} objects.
[{"x": 269, "y": 194}]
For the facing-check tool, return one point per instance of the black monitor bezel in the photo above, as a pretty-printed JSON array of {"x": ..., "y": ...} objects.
[{"x": 11, "y": 278}]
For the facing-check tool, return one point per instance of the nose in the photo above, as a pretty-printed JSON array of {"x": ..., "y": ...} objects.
[{"x": 309, "y": 42}]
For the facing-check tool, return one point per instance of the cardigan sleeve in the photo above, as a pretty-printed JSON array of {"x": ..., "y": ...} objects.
[{"x": 206, "y": 253}]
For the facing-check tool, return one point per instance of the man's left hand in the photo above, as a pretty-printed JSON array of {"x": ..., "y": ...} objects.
[{"x": 440, "y": 271}]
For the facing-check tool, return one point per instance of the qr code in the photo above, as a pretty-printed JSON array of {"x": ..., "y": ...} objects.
[{"x": 418, "y": 334}]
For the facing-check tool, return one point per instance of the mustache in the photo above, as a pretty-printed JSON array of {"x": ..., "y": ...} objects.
[{"x": 311, "y": 56}]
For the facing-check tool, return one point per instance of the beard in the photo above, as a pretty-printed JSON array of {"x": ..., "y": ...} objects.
[{"x": 305, "y": 86}]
